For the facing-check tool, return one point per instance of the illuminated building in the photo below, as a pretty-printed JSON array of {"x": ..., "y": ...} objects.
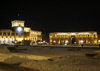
[
  {"x": 7, "y": 36},
  {"x": 20, "y": 33},
  {"x": 27, "y": 36},
  {"x": 72, "y": 38}
]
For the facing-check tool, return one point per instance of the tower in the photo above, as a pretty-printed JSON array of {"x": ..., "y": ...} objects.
[
  {"x": 17, "y": 23},
  {"x": 18, "y": 27}
]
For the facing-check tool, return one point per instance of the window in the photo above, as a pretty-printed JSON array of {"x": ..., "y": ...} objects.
[
  {"x": 12, "y": 34},
  {"x": 8, "y": 34},
  {"x": 4, "y": 33}
]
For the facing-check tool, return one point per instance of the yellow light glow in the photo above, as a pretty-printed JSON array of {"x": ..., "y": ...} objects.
[
  {"x": 17, "y": 23},
  {"x": 84, "y": 33},
  {"x": 62, "y": 34},
  {"x": 19, "y": 39},
  {"x": 72, "y": 33},
  {"x": 35, "y": 33},
  {"x": 26, "y": 29}
]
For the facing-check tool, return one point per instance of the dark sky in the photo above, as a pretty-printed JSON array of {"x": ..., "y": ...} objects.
[{"x": 52, "y": 16}]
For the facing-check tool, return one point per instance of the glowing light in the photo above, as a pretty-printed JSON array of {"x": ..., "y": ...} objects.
[
  {"x": 66, "y": 41},
  {"x": 13, "y": 39},
  {"x": 19, "y": 29},
  {"x": 84, "y": 33},
  {"x": 44, "y": 41},
  {"x": 72, "y": 33},
  {"x": 62, "y": 34},
  {"x": 2, "y": 39},
  {"x": 99, "y": 41},
  {"x": 17, "y": 23},
  {"x": 35, "y": 33},
  {"x": 75, "y": 42},
  {"x": 81, "y": 41},
  {"x": 54, "y": 41},
  {"x": 26, "y": 29},
  {"x": 19, "y": 39}
]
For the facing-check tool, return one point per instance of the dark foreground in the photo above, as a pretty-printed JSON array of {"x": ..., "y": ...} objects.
[
  {"x": 13, "y": 67},
  {"x": 51, "y": 59}
]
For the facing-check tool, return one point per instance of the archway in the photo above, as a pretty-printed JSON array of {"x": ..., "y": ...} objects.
[{"x": 73, "y": 39}]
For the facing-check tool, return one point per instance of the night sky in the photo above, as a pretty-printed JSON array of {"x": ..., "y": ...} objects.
[{"x": 52, "y": 16}]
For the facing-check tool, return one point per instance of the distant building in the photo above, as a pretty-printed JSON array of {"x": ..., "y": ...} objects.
[
  {"x": 20, "y": 33},
  {"x": 73, "y": 38},
  {"x": 7, "y": 36}
]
